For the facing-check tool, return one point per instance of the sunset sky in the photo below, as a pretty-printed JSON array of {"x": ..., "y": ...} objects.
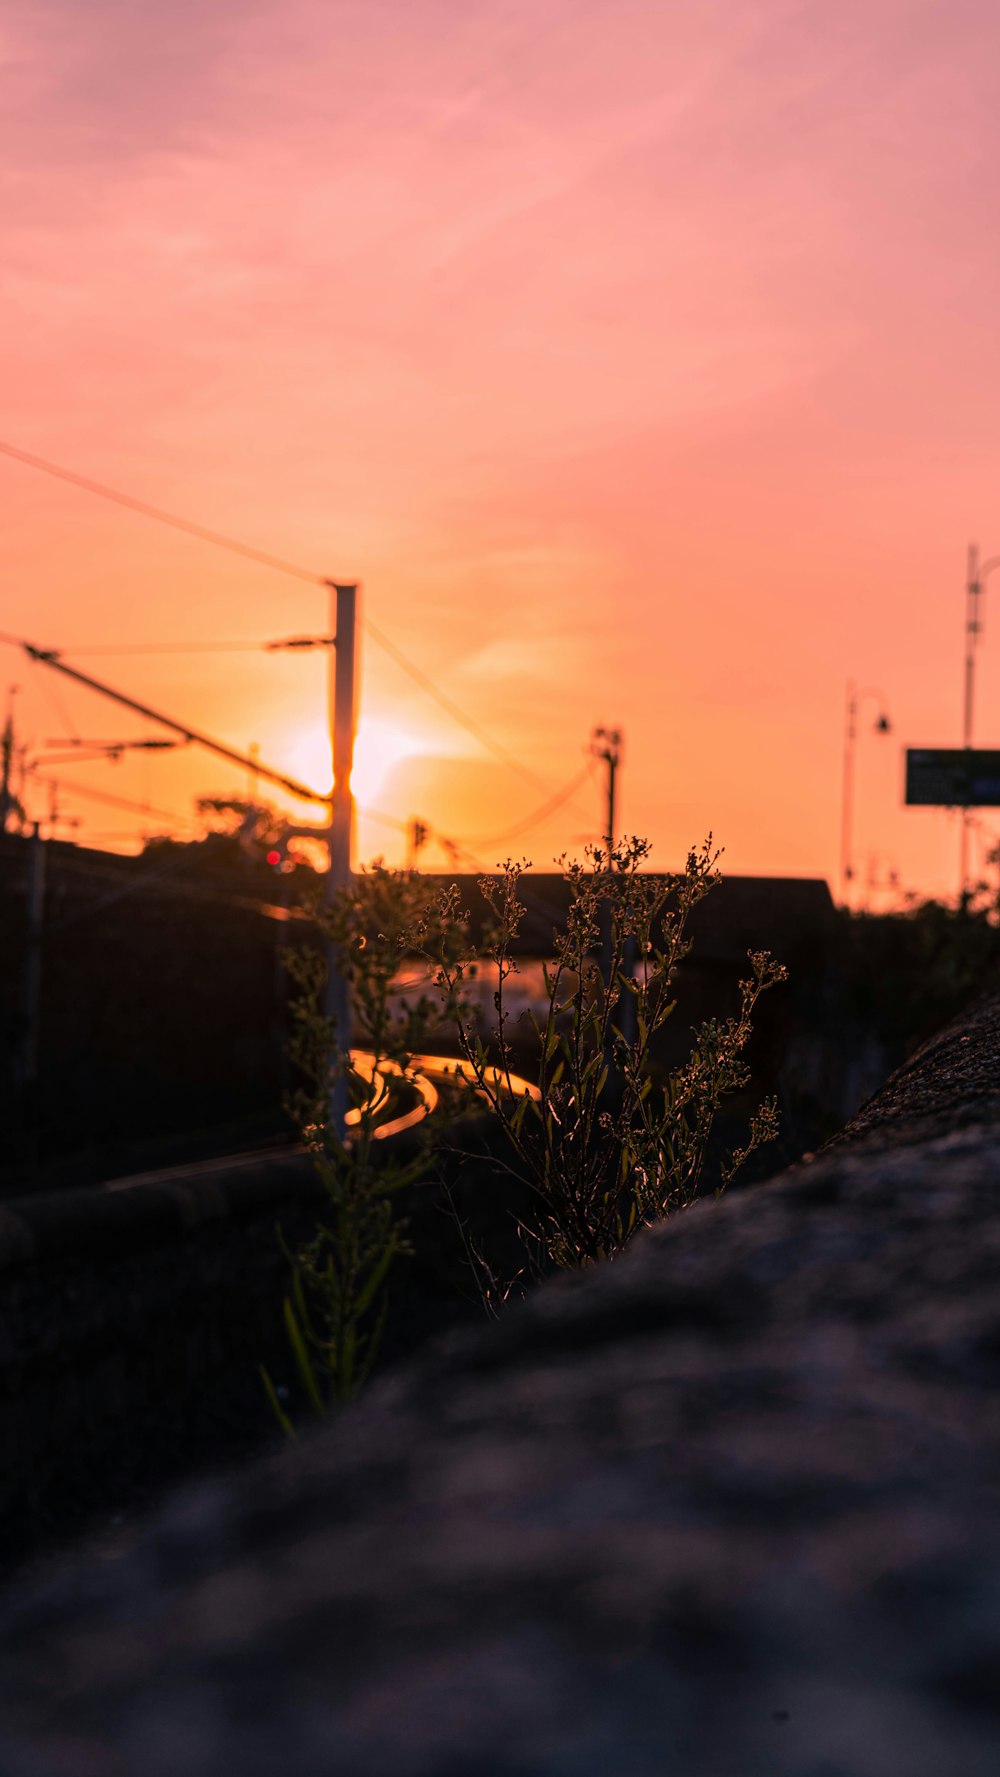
[{"x": 641, "y": 361}]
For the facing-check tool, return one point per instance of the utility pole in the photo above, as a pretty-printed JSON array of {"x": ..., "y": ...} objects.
[
  {"x": 343, "y": 721},
  {"x": 606, "y": 743},
  {"x": 417, "y": 834},
  {"x": 338, "y": 831},
  {"x": 7, "y": 761},
  {"x": 31, "y": 989}
]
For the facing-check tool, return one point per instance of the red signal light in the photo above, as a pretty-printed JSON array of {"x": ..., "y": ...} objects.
[{"x": 274, "y": 859}]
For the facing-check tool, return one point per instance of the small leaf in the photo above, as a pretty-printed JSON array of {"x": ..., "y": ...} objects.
[
  {"x": 303, "y": 1360},
  {"x": 367, "y": 1295},
  {"x": 279, "y": 1412}
]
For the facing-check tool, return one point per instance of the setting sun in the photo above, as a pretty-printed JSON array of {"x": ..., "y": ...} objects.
[{"x": 378, "y": 747}]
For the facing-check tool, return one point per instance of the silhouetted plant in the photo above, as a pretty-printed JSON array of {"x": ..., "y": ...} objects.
[
  {"x": 607, "y": 1145},
  {"x": 335, "y": 1313}
]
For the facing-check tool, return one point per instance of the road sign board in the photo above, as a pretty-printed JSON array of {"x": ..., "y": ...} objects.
[{"x": 952, "y": 777}]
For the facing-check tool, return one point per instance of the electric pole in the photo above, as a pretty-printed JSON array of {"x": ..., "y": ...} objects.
[
  {"x": 31, "y": 983},
  {"x": 337, "y": 834},
  {"x": 417, "y": 834},
  {"x": 7, "y": 761},
  {"x": 343, "y": 721},
  {"x": 606, "y": 744}
]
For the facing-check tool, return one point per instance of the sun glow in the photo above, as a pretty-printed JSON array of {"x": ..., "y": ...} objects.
[{"x": 378, "y": 746}]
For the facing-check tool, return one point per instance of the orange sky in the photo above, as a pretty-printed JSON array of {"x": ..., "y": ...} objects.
[{"x": 639, "y": 361}]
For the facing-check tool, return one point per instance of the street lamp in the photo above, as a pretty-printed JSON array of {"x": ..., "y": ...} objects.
[
  {"x": 978, "y": 573},
  {"x": 881, "y": 725}
]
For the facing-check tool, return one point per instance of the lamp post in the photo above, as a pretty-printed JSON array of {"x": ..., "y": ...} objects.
[
  {"x": 882, "y": 725},
  {"x": 976, "y": 577}
]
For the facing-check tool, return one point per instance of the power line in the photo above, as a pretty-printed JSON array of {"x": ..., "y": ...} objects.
[
  {"x": 420, "y": 678},
  {"x": 169, "y": 648},
  {"x": 389, "y": 820},
  {"x": 377, "y": 635},
  {"x": 385, "y": 820},
  {"x": 263, "y": 558},
  {"x": 203, "y": 532},
  {"x": 112, "y": 801},
  {"x": 51, "y": 657},
  {"x": 451, "y": 708},
  {"x": 540, "y": 814},
  {"x": 49, "y": 693}
]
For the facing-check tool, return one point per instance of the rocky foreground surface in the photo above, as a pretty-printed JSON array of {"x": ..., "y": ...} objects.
[{"x": 726, "y": 1507}]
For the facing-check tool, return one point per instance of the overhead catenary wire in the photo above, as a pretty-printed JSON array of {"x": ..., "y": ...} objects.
[
  {"x": 49, "y": 693},
  {"x": 279, "y": 564},
  {"x": 52, "y": 657},
  {"x": 384, "y": 820},
  {"x": 146, "y": 509},
  {"x": 113, "y": 801},
  {"x": 444, "y": 840},
  {"x": 538, "y": 815},
  {"x": 75, "y": 789},
  {"x": 148, "y": 808},
  {"x": 86, "y": 648},
  {"x": 127, "y": 648}
]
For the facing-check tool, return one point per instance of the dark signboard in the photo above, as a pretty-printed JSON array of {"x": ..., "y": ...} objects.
[{"x": 952, "y": 777}]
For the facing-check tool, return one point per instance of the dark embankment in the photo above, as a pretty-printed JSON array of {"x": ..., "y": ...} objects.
[{"x": 727, "y": 1506}]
